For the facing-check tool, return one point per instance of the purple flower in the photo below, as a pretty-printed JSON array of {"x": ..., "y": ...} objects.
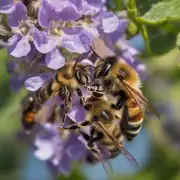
[
  {"x": 7, "y": 6},
  {"x": 60, "y": 149},
  {"x": 19, "y": 43},
  {"x": 55, "y": 10}
]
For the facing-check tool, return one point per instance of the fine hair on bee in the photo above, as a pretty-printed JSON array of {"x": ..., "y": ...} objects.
[
  {"x": 67, "y": 80},
  {"x": 105, "y": 129}
]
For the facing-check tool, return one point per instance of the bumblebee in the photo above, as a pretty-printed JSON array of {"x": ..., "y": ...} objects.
[
  {"x": 66, "y": 81},
  {"x": 122, "y": 81},
  {"x": 105, "y": 129}
]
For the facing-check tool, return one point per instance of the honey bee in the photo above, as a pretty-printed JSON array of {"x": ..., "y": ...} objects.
[
  {"x": 121, "y": 81},
  {"x": 67, "y": 80},
  {"x": 105, "y": 129},
  {"x": 30, "y": 109}
]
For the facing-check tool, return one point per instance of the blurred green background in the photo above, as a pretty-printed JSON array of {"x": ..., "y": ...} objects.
[{"x": 162, "y": 87}]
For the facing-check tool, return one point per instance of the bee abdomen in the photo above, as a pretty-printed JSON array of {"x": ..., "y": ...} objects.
[
  {"x": 131, "y": 131},
  {"x": 132, "y": 126},
  {"x": 28, "y": 120}
]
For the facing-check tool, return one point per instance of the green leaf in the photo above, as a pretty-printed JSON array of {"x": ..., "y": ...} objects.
[
  {"x": 178, "y": 41},
  {"x": 161, "y": 13}
]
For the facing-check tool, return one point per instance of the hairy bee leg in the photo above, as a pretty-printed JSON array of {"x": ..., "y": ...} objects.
[
  {"x": 119, "y": 104},
  {"x": 67, "y": 108},
  {"x": 90, "y": 142},
  {"x": 95, "y": 151},
  {"x": 76, "y": 126},
  {"x": 82, "y": 99},
  {"x": 68, "y": 104}
]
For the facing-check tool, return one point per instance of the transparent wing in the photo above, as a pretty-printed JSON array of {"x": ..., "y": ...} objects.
[
  {"x": 124, "y": 151},
  {"x": 47, "y": 110},
  {"x": 139, "y": 98}
]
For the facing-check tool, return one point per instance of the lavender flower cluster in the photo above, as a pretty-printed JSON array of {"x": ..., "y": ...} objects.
[{"x": 44, "y": 34}]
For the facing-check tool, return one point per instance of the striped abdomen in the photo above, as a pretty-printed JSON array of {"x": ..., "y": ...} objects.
[
  {"x": 132, "y": 119},
  {"x": 46, "y": 91}
]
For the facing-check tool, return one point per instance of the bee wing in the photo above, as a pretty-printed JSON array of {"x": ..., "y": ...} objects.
[
  {"x": 124, "y": 151},
  {"x": 100, "y": 48},
  {"x": 46, "y": 110},
  {"x": 139, "y": 98}
]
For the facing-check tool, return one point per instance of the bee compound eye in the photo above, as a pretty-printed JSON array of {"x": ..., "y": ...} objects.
[{"x": 67, "y": 76}]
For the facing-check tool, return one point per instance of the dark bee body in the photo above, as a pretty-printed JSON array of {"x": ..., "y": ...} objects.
[
  {"x": 67, "y": 80},
  {"x": 29, "y": 110}
]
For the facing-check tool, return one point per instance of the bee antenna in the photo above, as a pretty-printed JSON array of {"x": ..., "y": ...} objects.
[
  {"x": 77, "y": 62},
  {"x": 96, "y": 53}
]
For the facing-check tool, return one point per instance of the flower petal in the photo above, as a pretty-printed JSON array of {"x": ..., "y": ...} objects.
[
  {"x": 22, "y": 48},
  {"x": 110, "y": 22},
  {"x": 78, "y": 43},
  {"x": 46, "y": 14},
  {"x": 17, "y": 15},
  {"x": 7, "y": 6},
  {"x": 91, "y": 7},
  {"x": 120, "y": 31},
  {"x": 54, "y": 59},
  {"x": 44, "y": 149},
  {"x": 69, "y": 13},
  {"x": 42, "y": 41},
  {"x": 14, "y": 39},
  {"x": 77, "y": 112},
  {"x": 34, "y": 83}
]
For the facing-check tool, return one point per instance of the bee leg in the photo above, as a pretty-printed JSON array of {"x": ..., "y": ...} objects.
[
  {"x": 75, "y": 126},
  {"x": 35, "y": 60},
  {"x": 119, "y": 104},
  {"x": 82, "y": 99},
  {"x": 67, "y": 104},
  {"x": 90, "y": 142}
]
